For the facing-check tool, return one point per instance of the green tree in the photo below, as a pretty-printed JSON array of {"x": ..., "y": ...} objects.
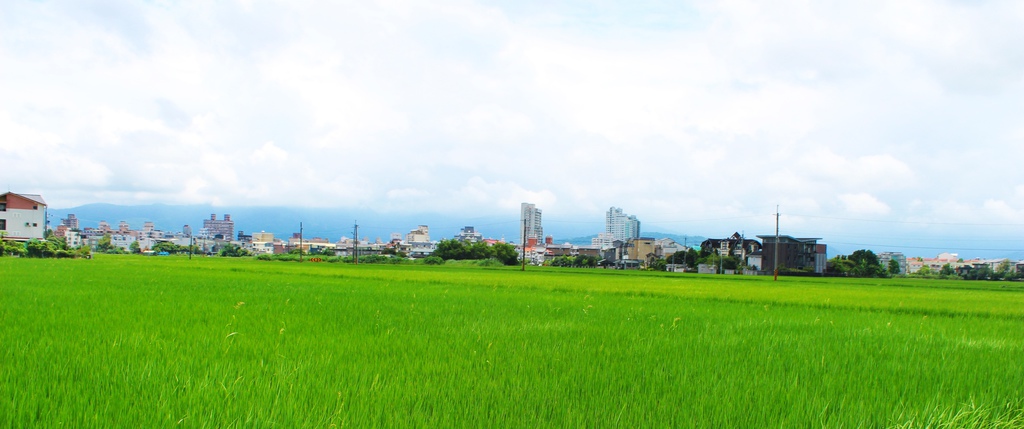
[
  {"x": 717, "y": 261},
  {"x": 433, "y": 260},
  {"x": 586, "y": 261},
  {"x": 894, "y": 267},
  {"x": 37, "y": 249},
  {"x": 478, "y": 251},
  {"x": 691, "y": 257},
  {"x": 450, "y": 249},
  {"x": 506, "y": 253},
  {"x": 947, "y": 271},
  {"x": 83, "y": 251},
  {"x": 1005, "y": 270},
  {"x": 167, "y": 246},
  {"x": 841, "y": 265},
  {"x": 105, "y": 245},
  {"x": 10, "y": 247},
  {"x": 56, "y": 243},
  {"x": 866, "y": 264},
  {"x": 984, "y": 272},
  {"x": 134, "y": 247},
  {"x": 393, "y": 251},
  {"x": 678, "y": 258},
  {"x": 233, "y": 250},
  {"x": 562, "y": 261}
]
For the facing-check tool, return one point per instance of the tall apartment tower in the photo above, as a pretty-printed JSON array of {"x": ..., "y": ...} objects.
[
  {"x": 530, "y": 218},
  {"x": 620, "y": 225},
  {"x": 71, "y": 222},
  {"x": 224, "y": 228}
]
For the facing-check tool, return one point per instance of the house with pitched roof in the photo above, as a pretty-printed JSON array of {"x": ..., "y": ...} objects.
[{"x": 22, "y": 216}]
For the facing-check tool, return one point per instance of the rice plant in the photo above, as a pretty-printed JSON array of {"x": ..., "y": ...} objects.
[{"x": 212, "y": 342}]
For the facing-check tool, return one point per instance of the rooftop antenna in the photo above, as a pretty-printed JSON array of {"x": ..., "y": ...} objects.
[{"x": 775, "y": 258}]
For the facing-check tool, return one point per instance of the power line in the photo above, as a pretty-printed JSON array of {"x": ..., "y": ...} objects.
[
  {"x": 909, "y": 222},
  {"x": 928, "y": 247},
  {"x": 931, "y": 238},
  {"x": 707, "y": 219}
]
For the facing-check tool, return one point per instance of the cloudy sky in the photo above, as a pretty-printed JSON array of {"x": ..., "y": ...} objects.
[{"x": 868, "y": 123}]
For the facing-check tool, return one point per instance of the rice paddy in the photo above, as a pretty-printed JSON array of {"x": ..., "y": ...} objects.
[{"x": 217, "y": 342}]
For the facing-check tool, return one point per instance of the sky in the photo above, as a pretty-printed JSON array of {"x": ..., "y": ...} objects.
[{"x": 870, "y": 124}]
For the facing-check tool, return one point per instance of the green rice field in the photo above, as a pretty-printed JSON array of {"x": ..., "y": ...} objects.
[{"x": 131, "y": 341}]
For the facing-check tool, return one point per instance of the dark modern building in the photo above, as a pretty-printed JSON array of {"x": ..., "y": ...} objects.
[
  {"x": 737, "y": 245},
  {"x": 794, "y": 253}
]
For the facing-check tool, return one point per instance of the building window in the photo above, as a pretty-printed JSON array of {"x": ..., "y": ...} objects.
[
  {"x": 3, "y": 224},
  {"x": 3, "y": 207}
]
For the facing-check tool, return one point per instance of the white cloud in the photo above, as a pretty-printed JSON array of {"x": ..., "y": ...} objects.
[
  {"x": 711, "y": 110},
  {"x": 269, "y": 153},
  {"x": 863, "y": 204},
  {"x": 489, "y": 123}
]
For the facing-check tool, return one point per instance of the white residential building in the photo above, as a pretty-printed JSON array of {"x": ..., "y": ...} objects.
[
  {"x": 621, "y": 226},
  {"x": 668, "y": 246},
  {"x": 602, "y": 241},
  {"x": 22, "y": 216},
  {"x": 469, "y": 235},
  {"x": 419, "y": 235},
  {"x": 530, "y": 219},
  {"x": 123, "y": 241},
  {"x": 73, "y": 238}
]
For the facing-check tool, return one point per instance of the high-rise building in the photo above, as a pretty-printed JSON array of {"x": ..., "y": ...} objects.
[
  {"x": 419, "y": 235},
  {"x": 469, "y": 235},
  {"x": 620, "y": 225},
  {"x": 530, "y": 218},
  {"x": 224, "y": 228},
  {"x": 71, "y": 222}
]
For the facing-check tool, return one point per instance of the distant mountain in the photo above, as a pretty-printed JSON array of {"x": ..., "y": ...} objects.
[
  {"x": 330, "y": 223},
  {"x": 686, "y": 240}
]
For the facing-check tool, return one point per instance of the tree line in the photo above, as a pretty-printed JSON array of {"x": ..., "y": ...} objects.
[
  {"x": 49, "y": 247},
  {"x": 451, "y": 249},
  {"x": 864, "y": 263}
]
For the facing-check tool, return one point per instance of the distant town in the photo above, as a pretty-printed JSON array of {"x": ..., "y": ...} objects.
[{"x": 621, "y": 245}]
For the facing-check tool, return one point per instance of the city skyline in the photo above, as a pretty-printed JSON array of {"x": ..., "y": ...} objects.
[{"x": 325, "y": 223}]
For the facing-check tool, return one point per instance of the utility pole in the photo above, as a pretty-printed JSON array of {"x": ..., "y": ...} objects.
[
  {"x": 300, "y": 242},
  {"x": 775, "y": 258},
  {"x": 355, "y": 243},
  {"x": 190, "y": 242},
  {"x": 523, "y": 244},
  {"x": 743, "y": 249}
]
